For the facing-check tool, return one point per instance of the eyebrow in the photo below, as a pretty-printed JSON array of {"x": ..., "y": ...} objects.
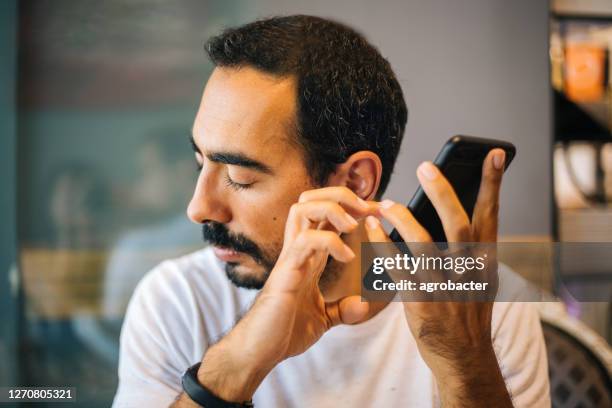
[{"x": 236, "y": 159}]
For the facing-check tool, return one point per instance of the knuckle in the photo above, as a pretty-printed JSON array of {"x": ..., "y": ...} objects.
[
  {"x": 462, "y": 231},
  {"x": 304, "y": 238},
  {"x": 327, "y": 205},
  {"x": 331, "y": 210},
  {"x": 335, "y": 208},
  {"x": 493, "y": 177},
  {"x": 346, "y": 192},
  {"x": 300, "y": 238},
  {"x": 294, "y": 209},
  {"x": 304, "y": 196},
  {"x": 326, "y": 209},
  {"x": 332, "y": 314},
  {"x": 492, "y": 208}
]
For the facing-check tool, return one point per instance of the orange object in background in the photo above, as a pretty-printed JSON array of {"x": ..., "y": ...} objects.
[{"x": 584, "y": 72}]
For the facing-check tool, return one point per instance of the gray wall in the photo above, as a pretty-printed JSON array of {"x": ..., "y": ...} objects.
[{"x": 476, "y": 67}]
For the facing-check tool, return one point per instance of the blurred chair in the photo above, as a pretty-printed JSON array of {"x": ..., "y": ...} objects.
[{"x": 579, "y": 361}]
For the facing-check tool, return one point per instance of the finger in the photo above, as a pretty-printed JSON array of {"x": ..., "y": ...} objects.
[
  {"x": 376, "y": 234},
  {"x": 486, "y": 210},
  {"x": 402, "y": 219},
  {"x": 326, "y": 242},
  {"x": 374, "y": 230},
  {"x": 454, "y": 219},
  {"x": 344, "y": 196},
  {"x": 303, "y": 215},
  {"x": 417, "y": 239},
  {"x": 380, "y": 248},
  {"x": 348, "y": 310}
]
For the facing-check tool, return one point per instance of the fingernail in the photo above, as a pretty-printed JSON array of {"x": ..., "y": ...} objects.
[
  {"x": 428, "y": 170},
  {"x": 351, "y": 220},
  {"x": 386, "y": 204},
  {"x": 372, "y": 222},
  {"x": 498, "y": 159}
]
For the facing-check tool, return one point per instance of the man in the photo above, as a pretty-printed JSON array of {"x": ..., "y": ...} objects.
[{"x": 296, "y": 137}]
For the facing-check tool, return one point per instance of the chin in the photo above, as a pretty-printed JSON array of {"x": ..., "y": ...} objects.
[{"x": 246, "y": 277}]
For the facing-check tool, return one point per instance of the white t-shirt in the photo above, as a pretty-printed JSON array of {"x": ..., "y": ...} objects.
[{"x": 184, "y": 305}]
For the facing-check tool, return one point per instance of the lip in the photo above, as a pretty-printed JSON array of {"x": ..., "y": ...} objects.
[{"x": 226, "y": 255}]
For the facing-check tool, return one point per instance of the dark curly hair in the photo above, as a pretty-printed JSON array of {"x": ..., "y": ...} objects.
[{"x": 348, "y": 98}]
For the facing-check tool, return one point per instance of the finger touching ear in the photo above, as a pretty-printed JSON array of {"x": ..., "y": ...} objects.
[{"x": 361, "y": 173}]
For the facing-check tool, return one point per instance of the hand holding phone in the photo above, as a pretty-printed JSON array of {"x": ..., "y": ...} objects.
[
  {"x": 460, "y": 161},
  {"x": 451, "y": 329}
]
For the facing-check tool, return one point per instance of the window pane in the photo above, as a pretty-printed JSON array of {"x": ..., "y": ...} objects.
[{"x": 107, "y": 95}]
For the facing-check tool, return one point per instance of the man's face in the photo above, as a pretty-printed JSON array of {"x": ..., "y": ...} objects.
[{"x": 252, "y": 170}]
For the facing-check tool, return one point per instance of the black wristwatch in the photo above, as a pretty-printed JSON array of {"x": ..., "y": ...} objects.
[{"x": 201, "y": 395}]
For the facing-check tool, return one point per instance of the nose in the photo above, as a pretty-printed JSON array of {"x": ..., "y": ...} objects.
[{"x": 206, "y": 203}]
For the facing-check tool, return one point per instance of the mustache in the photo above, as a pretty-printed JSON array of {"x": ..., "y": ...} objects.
[{"x": 218, "y": 235}]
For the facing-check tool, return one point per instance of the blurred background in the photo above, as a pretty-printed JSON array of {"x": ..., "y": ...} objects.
[{"x": 97, "y": 103}]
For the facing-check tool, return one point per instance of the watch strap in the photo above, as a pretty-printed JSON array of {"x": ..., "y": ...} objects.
[{"x": 203, "y": 396}]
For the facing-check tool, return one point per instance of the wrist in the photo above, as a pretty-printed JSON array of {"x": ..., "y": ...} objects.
[
  {"x": 231, "y": 375},
  {"x": 469, "y": 361},
  {"x": 475, "y": 376}
]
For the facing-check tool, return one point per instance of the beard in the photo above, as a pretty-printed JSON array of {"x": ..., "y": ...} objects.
[{"x": 217, "y": 234}]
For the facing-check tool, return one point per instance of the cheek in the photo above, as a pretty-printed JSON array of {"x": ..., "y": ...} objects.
[
  {"x": 263, "y": 216},
  {"x": 262, "y": 221},
  {"x": 271, "y": 222}
]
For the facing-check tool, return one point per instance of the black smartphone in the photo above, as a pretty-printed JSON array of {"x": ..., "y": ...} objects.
[{"x": 460, "y": 160}]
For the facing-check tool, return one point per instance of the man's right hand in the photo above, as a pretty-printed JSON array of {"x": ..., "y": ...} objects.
[{"x": 290, "y": 313}]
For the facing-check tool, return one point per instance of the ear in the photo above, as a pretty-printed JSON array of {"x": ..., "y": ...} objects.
[{"x": 361, "y": 173}]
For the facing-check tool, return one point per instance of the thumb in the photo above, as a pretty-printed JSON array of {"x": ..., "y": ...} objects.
[{"x": 348, "y": 310}]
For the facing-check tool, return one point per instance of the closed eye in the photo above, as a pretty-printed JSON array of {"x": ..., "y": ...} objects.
[
  {"x": 237, "y": 186},
  {"x": 228, "y": 181}
]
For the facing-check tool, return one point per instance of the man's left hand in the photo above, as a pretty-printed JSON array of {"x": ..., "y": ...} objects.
[{"x": 454, "y": 338}]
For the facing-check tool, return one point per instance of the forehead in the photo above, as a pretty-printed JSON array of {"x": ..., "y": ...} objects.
[{"x": 244, "y": 109}]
